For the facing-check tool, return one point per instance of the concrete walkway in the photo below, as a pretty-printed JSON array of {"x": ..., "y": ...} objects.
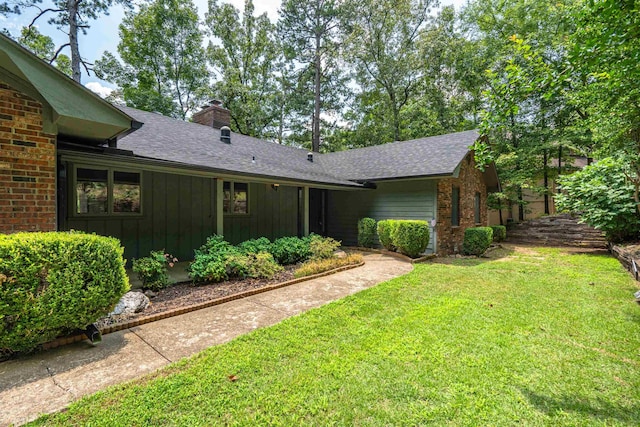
[{"x": 49, "y": 381}]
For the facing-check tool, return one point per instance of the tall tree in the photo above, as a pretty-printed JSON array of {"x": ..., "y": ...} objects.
[
  {"x": 528, "y": 110},
  {"x": 605, "y": 53},
  {"x": 69, "y": 16},
  {"x": 382, "y": 45},
  {"x": 43, "y": 47},
  {"x": 164, "y": 67},
  {"x": 310, "y": 34},
  {"x": 245, "y": 60}
]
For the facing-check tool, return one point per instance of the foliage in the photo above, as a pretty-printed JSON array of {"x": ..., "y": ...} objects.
[
  {"x": 262, "y": 265},
  {"x": 290, "y": 250},
  {"x": 71, "y": 17},
  {"x": 55, "y": 283},
  {"x": 210, "y": 261},
  {"x": 245, "y": 61},
  {"x": 603, "y": 196},
  {"x": 394, "y": 342},
  {"x": 322, "y": 247},
  {"x": 410, "y": 237},
  {"x": 499, "y": 233},
  {"x": 254, "y": 246},
  {"x": 385, "y": 230},
  {"x": 310, "y": 35},
  {"x": 44, "y": 48},
  {"x": 320, "y": 265},
  {"x": 152, "y": 270},
  {"x": 164, "y": 67},
  {"x": 477, "y": 240},
  {"x": 366, "y": 232},
  {"x": 382, "y": 47}
]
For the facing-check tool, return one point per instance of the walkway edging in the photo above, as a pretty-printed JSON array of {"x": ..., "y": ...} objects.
[{"x": 178, "y": 311}]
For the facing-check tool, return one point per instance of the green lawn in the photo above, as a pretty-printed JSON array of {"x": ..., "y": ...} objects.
[{"x": 536, "y": 337}]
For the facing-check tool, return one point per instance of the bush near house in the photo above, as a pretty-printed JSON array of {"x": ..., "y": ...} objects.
[
  {"x": 477, "y": 240},
  {"x": 410, "y": 237},
  {"x": 152, "y": 270},
  {"x": 322, "y": 247},
  {"x": 55, "y": 283},
  {"x": 499, "y": 233},
  {"x": 366, "y": 232},
  {"x": 218, "y": 259},
  {"x": 290, "y": 250},
  {"x": 255, "y": 246},
  {"x": 210, "y": 261},
  {"x": 385, "y": 230}
]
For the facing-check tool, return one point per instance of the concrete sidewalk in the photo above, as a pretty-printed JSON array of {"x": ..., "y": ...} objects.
[{"x": 49, "y": 381}]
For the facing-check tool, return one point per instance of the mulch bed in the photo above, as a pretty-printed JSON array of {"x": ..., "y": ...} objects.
[{"x": 188, "y": 294}]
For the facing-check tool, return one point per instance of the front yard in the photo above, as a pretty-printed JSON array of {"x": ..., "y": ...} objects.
[{"x": 532, "y": 337}]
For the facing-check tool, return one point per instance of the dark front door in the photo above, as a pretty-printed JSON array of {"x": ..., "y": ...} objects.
[{"x": 317, "y": 211}]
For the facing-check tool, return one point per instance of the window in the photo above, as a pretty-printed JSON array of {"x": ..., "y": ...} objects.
[
  {"x": 476, "y": 208},
  {"x": 455, "y": 206},
  {"x": 235, "y": 197},
  {"x": 106, "y": 191}
]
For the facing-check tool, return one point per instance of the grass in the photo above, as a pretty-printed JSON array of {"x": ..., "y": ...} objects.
[
  {"x": 539, "y": 337},
  {"x": 316, "y": 266}
]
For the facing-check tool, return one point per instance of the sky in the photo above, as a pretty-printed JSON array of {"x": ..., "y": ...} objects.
[{"x": 103, "y": 34}]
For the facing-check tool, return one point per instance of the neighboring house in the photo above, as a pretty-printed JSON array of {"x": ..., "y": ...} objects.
[{"x": 70, "y": 160}]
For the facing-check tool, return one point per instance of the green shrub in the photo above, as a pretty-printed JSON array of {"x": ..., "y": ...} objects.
[
  {"x": 366, "y": 232},
  {"x": 210, "y": 261},
  {"x": 603, "y": 195},
  {"x": 499, "y": 233},
  {"x": 152, "y": 270},
  {"x": 55, "y": 283},
  {"x": 322, "y": 247},
  {"x": 255, "y": 246},
  {"x": 237, "y": 265},
  {"x": 315, "y": 266},
  {"x": 410, "y": 237},
  {"x": 262, "y": 265},
  {"x": 290, "y": 250},
  {"x": 477, "y": 240},
  {"x": 385, "y": 230}
]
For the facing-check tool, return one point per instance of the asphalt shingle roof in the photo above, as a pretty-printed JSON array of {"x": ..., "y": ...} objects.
[{"x": 173, "y": 140}]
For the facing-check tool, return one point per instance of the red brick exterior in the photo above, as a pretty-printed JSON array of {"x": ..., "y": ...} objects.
[
  {"x": 27, "y": 165},
  {"x": 470, "y": 181}
]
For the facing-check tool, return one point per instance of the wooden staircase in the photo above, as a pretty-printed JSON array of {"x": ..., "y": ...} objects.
[{"x": 556, "y": 230}]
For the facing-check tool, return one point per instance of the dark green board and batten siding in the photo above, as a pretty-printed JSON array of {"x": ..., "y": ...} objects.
[
  {"x": 273, "y": 213},
  {"x": 390, "y": 200},
  {"x": 178, "y": 214}
]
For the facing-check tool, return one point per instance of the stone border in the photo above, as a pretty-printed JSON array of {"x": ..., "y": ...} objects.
[
  {"x": 183, "y": 310},
  {"x": 393, "y": 254}
]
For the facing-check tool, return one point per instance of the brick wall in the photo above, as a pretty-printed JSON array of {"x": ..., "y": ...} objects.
[
  {"x": 470, "y": 181},
  {"x": 27, "y": 165}
]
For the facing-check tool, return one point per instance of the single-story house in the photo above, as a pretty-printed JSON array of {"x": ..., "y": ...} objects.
[{"x": 70, "y": 160}]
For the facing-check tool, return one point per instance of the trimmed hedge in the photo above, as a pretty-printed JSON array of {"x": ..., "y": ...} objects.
[
  {"x": 410, "y": 237},
  {"x": 477, "y": 240},
  {"x": 366, "y": 232},
  {"x": 499, "y": 233},
  {"x": 385, "y": 230},
  {"x": 55, "y": 283}
]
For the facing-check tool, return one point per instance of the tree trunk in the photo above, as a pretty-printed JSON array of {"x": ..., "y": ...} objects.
[
  {"x": 545, "y": 172},
  {"x": 315, "y": 138},
  {"x": 72, "y": 6}
]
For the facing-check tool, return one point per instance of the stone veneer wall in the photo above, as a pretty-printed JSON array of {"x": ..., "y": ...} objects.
[
  {"x": 27, "y": 165},
  {"x": 470, "y": 181}
]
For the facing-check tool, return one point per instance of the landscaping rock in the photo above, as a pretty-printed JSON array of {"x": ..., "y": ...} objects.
[
  {"x": 340, "y": 254},
  {"x": 131, "y": 302}
]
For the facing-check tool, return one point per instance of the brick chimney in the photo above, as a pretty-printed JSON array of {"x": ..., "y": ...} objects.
[{"x": 213, "y": 115}]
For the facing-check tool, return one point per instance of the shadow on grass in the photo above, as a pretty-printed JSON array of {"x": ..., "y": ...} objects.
[{"x": 595, "y": 407}]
